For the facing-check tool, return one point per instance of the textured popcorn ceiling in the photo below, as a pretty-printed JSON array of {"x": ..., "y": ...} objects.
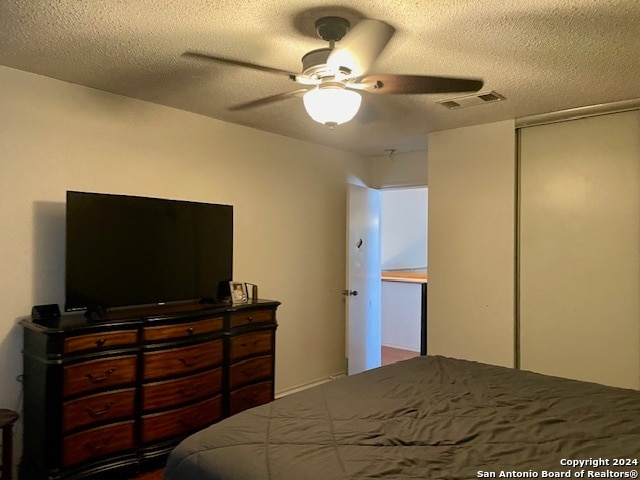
[{"x": 542, "y": 55}]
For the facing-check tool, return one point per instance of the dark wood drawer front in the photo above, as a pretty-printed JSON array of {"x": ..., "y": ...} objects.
[
  {"x": 251, "y": 396},
  {"x": 97, "y": 374},
  {"x": 100, "y": 407},
  {"x": 177, "y": 361},
  {"x": 182, "y": 421},
  {"x": 250, "y": 370},
  {"x": 97, "y": 442},
  {"x": 251, "y": 344},
  {"x": 247, "y": 318},
  {"x": 191, "y": 329},
  {"x": 176, "y": 392},
  {"x": 80, "y": 343}
]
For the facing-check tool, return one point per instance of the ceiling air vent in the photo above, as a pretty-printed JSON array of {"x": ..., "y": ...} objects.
[{"x": 479, "y": 98}]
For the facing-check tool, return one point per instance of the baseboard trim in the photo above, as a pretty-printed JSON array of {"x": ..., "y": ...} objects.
[{"x": 305, "y": 386}]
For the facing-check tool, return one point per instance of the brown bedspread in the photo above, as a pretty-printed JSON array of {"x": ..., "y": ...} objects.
[{"x": 424, "y": 418}]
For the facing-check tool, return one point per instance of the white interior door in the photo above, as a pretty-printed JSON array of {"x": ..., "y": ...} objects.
[{"x": 363, "y": 284}]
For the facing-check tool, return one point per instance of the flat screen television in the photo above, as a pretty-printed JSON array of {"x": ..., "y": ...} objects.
[{"x": 124, "y": 251}]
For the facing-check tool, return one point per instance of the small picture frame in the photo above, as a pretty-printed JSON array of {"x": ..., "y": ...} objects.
[{"x": 238, "y": 292}]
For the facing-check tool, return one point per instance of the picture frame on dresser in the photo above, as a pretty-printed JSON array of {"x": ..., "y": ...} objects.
[{"x": 239, "y": 292}]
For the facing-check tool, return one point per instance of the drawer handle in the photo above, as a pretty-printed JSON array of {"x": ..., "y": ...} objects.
[
  {"x": 98, "y": 448},
  {"x": 190, "y": 393},
  {"x": 100, "y": 342},
  {"x": 250, "y": 319},
  {"x": 93, "y": 379},
  {"x": 250, "y": 372},
  {"x": 253, "y": 344},
  {"x": 190, "y": 331},
  {"x": 98, "y": 413},
  {"x": 190, "y": 363}
]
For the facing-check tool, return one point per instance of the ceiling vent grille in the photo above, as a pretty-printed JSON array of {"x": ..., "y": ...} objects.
[{"x": 479, "y": 98}]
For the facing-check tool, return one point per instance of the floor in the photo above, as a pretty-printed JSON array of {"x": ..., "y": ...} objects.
[{"x": 393, "y": 355}]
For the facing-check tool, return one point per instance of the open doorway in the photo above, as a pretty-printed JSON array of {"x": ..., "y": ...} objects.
[{"x": 403, "y": 232}]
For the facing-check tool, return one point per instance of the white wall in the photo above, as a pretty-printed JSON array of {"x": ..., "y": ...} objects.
[
  {"x": 403, "y": 228},
  {"x": 399, "y": 170},
  {"x": 289, "y": 198},
  {"x": 472, "y": 185},
  {"x": 401, "y": 315}
]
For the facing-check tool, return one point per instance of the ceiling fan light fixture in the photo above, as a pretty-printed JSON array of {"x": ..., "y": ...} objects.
[{"x": 332, "y": 105}]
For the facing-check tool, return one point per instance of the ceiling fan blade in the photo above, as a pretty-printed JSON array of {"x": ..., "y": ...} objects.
[
  {"x": 267, "y": 100},
  {"x": 239, "y": 63},
  {"x": 411, "y": 84},
  {"x": 360, "y": 47}
]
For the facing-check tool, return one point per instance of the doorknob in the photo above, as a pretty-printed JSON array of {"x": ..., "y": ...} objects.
[{"x": 346, "y": 293}]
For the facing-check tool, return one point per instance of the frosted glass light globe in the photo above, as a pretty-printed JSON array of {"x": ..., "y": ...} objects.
[{"x": 332, "y": 105}]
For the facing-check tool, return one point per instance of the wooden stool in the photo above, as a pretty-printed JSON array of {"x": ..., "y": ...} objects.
[{"x": 7, "y": 419}]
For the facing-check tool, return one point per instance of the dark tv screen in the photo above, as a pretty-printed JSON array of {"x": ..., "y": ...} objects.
[{"x": 125, "y": 250}]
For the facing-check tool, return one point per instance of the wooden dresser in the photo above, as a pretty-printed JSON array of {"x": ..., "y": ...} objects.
[{"x": 110, "y": 398}]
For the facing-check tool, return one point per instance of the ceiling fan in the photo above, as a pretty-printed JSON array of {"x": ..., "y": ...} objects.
[{"x": 333, "y": 77}]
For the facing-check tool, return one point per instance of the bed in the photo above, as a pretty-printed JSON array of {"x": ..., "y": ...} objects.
[{"x": 426, "y": 418}]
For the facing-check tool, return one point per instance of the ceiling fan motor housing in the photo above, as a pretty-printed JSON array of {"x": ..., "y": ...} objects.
[{"x": 314, "y": 63}]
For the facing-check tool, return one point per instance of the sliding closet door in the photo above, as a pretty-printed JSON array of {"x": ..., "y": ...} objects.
[{"x": 580, "y": 249}]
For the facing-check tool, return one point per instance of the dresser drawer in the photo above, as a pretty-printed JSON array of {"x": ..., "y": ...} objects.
[
  {"x": 248, "y": 318},
  {"x": 97, "y": 442},
  {"x": 97, "y": 374},
  {"x": 251, "y": 344},
  {"x": 180, "y": 330},
  {"x": 177, "y": 361},
  {"x": 176, "y": 392},
  {"x": 248, "y": 371},
  {"x": 250, "y": 396},
  {"x": 182, "y": 421},
  {"x": 100, "y": 407},
  {"x": 81, "y": 343}
]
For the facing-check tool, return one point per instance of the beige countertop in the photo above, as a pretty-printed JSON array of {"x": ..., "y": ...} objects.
[{"x": 407, "y": 275}]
